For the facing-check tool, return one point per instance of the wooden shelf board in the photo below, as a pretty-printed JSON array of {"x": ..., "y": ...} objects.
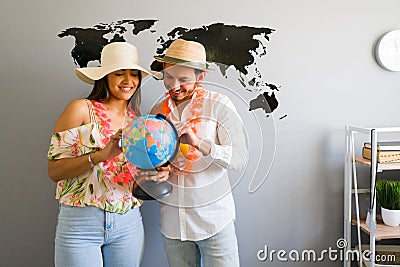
[
  {"x": 361, "y": 191},
  {"x": 382, "y": 231},
  {"x": 381, "y": 166}
]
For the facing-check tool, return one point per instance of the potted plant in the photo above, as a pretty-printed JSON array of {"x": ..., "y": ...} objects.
[{"x": 388, "y": 196}]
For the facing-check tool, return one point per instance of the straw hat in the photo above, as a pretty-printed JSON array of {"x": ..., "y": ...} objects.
[
  {"x": 187, "y": 53},
  {"x": 114, "y": 56}
]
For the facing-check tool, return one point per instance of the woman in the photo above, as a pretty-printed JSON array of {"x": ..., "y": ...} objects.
[{"x": 99, "y": 222}]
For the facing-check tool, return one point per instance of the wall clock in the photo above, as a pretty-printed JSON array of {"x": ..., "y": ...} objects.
[{"x": 387, "y": 51}]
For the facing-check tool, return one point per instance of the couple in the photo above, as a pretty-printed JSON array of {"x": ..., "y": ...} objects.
[{"x": 99, "y": 221}]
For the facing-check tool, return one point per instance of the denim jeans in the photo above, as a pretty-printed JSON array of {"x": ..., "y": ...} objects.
[
  {"x": 89, "y": 236},
  {"x": 220, "y": 250}
]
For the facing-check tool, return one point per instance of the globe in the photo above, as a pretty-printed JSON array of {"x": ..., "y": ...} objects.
[{"x": 150, "y": 141}]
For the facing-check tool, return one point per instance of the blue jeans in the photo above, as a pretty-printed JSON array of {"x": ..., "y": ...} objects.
[
  {"x": 89, "y": 236},
  {"x": 220, "y": 250}
]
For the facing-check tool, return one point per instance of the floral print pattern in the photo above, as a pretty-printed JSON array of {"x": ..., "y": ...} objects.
[{"x": 108, "y": 185}]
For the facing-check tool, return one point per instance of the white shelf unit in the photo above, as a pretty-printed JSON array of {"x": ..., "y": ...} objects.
[{"x": 372, "y": 224}]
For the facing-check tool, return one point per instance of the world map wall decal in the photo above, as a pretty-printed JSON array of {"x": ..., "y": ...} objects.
[
  {"x": 231, "y": 46},
  {"x": 235, "y": 52}
]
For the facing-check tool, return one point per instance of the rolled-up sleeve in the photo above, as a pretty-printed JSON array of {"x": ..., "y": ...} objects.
[{"x": 229, "y": 150}]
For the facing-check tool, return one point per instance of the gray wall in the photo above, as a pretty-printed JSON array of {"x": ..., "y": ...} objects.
[{"x": 320, "y": 54}]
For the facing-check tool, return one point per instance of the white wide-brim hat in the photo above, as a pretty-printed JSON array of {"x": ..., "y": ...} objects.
[
  {"x": 114, "y": 56},
  {"x": 186, "y": 53}
]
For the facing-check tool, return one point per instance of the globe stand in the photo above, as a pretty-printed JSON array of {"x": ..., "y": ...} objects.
[{"x": 150, "y": 190}]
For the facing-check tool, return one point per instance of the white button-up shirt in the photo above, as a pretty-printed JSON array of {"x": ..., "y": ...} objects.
[{"x": 201, "y": 203}]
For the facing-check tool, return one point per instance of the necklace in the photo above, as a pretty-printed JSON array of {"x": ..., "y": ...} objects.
[{"x": 195, "y": 110}]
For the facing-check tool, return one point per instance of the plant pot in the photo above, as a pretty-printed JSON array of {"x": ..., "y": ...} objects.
[{"x": 390, "y": 217}]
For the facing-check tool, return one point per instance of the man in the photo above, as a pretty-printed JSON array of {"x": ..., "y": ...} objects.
[{"x": 197, "y": 219}]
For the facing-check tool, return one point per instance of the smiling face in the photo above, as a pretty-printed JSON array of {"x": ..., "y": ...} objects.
[
  {"x": 123, "y": 83},
  {"x": 181, "y": 82}
]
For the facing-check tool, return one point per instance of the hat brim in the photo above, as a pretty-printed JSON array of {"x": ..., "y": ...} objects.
[
  {"x": 92, "y": 74},
  {"x": 195, "y": 65}
]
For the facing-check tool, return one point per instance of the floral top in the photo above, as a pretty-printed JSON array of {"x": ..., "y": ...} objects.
[{"x": 108, "y": 185}]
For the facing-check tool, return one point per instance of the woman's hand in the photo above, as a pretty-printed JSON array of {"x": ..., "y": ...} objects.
[
  {"x": 67, "y": 168},
  {"x": 161, "y": 174},
  {"x": 112, "y": 149}
]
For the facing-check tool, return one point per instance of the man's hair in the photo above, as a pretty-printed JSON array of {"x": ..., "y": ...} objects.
[{"x": 197, "y": 72}]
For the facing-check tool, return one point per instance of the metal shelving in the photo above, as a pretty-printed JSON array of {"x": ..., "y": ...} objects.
[{"x": 371, "y": 224}]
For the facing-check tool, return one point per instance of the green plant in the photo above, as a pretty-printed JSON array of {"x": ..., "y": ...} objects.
[{"x": 388, "y": 194}]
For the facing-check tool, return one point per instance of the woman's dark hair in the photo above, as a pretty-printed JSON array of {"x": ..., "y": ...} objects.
[{"x": 101, "y": 92}]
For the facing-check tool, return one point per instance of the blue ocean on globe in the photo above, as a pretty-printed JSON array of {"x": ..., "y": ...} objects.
[{"x": 150, "y": 141}]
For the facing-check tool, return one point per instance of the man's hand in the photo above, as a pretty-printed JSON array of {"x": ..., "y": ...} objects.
[
  {"x": 178, "y": 165},
  {"x": 161, "y": 174},
  {"x": 187, "y": 136}
]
